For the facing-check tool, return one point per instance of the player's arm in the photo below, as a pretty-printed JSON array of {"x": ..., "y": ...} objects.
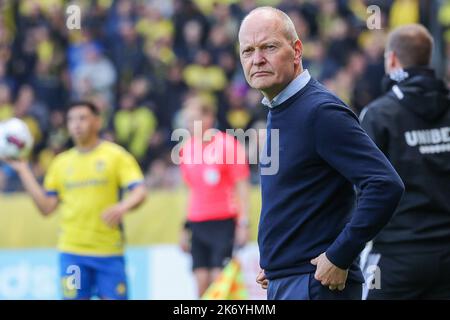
[
  {"x": 243, "y": 221},
  {"x": 243, "y": 194},
  {"x": 45, "y": 203},
  {"x": 185, "y": 235},
  {"x": 136, "y": 196},
  {"x": 130, "y": 177},
  {"x": 241, "y": 173}
]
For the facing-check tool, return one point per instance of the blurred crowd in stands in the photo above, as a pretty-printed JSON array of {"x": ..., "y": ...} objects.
[{"x": 138, "y": 60}]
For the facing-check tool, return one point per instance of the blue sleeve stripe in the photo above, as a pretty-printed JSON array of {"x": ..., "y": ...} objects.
[
  {"x": 52, "y": 193},
  {"x": 133, "y": 185}
]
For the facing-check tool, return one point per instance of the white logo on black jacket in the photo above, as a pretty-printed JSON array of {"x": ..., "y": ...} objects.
[{"x": 435, "y": 140}]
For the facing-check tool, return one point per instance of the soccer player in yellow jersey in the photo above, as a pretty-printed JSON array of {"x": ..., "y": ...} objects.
[{"x": 85, "y": 183}]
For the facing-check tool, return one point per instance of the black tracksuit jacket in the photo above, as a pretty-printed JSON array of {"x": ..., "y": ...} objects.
[{"x": 411, "y": 125}]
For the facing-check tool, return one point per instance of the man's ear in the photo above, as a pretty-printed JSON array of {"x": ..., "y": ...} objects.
[
  {"x": 298, "y": 48},
  {"x": 392, "y": 62},
  {"x": 395, "y": 61}
]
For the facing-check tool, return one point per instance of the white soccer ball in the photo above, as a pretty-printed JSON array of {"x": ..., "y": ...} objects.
[{"x": 16, "y": 140}]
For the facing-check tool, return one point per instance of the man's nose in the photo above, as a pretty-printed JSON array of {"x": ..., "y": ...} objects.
[{"x": 258, "y": 58}]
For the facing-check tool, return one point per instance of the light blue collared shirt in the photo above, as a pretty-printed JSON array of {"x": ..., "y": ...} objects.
[{"x": 297, "y": 84}]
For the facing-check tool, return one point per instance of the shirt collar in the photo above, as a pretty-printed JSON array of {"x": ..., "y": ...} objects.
[{"x": 292, "y": 88}]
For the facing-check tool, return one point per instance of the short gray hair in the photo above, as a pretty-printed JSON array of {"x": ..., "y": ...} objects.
[{"x": 289, "y": 28}]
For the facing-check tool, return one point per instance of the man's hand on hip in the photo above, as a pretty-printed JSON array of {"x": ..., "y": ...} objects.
[
  {"x": 329, "y": 274},
  {"x": 262, "y": 280}
]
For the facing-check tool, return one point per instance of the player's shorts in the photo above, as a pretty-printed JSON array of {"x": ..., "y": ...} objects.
[
  {"x": 212, "y": 243},
  {"x": 84, "y": 277}
]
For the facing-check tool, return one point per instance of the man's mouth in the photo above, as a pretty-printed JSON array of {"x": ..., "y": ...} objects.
[{"x": 260, "y": 73}]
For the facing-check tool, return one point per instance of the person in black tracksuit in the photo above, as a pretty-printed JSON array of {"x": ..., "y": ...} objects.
[{"x": 411, "y": 125}]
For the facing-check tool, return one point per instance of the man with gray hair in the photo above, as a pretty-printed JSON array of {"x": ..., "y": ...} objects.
[
  {"x": 311, "y": 229},
  {"x": 410, "y": 123}
]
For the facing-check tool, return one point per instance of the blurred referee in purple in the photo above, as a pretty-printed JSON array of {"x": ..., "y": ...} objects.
[{"x": 313, "y": 223}]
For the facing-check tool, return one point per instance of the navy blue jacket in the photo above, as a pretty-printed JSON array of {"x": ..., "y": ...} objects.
[{"x": 334, "y": 189}]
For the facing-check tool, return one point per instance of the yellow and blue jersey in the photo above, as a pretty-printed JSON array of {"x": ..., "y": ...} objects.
[{"x": 86, "y": 184}]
